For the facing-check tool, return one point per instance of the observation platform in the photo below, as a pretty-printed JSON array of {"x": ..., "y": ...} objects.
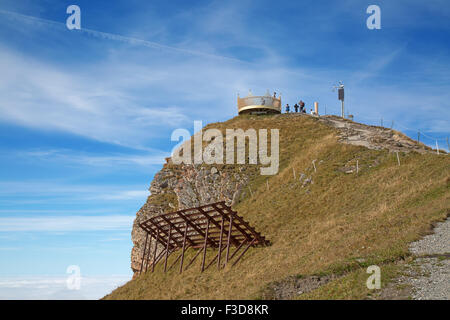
[{"x": 266, "y": 104}]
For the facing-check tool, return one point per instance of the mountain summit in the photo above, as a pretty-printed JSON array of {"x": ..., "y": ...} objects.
[{"x": 346, "y": 196}]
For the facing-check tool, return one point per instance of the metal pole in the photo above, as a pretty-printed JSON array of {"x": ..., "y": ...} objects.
[
  {"x": 175, "y": 261},
  {"x": 342, "y": 109},
  {"x": 220, "y": 243},
  {"x": 238, "y": 248},
  {"x": 230, "y": 228},
  {"x": 184, "y": 247},
  {"x": 159, "y": 257},
  {"x": 167, "y": 247},
  {"x": 243, "y": 252},
  {"x": 143, "y": 254},
  {"x": 148, "y": 255},
  {"x": 193, "y": 259},
  {"x": 154, "y": 252},
  {"x": 204, "y": 246},
  {"x": 213, "y": 260}
]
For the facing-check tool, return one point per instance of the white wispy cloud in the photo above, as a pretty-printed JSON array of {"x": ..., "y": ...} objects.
[
  {"x": 66, "y": 223},
  {"x": 104, "y": 103},
  {"x": 49, "y": 98},
  {"x": 55, "y": 287},
  {"x": 60, "y": 188},
  {"x": 117, "y": 37},
  {"x": 125, "y": 195},
  {"x": 62, "y": 156}
]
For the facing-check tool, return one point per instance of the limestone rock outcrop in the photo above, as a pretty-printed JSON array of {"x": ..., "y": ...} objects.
[{"x": 177, "y": 187}]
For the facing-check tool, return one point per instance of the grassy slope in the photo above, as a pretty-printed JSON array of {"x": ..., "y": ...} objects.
[{"x": 323, "y": 227}]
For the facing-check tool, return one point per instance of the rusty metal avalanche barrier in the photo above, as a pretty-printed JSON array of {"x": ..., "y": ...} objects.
[{"x": 211, "y": 226}]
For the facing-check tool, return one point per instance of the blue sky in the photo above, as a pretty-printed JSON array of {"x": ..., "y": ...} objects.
[{"x": 86, "y": 115}]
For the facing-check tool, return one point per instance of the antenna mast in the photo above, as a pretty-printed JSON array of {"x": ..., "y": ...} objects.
[{"x": 340, "y": 89}]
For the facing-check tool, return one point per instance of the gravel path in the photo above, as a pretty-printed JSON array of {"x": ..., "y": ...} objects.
[
  {"x": 429, "y": 275},
  {"x": 373, "y": 137},
  {"x": 431, "y": 279},
  {"x": 436, "y": 243}
]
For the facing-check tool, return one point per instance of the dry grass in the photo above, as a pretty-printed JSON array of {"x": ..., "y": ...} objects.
[
  {"x": 323, "y": 227},
  {"x": 352, "y": 285}
]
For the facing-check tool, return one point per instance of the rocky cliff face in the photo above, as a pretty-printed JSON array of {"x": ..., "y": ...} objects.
[{"x": 178, "y": 187}]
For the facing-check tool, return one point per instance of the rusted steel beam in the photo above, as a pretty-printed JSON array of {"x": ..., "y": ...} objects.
[
  {"x": 194, "y": 226},
  {"x": 215, "y": 257},
  {"x": 153, "y": 234},
  {"x": 217, "y": 224},
  {"x": 163, "y": 231},
  {"x": 199, "y": 241},
  {"x": 220, "y": 243},
  {"x": 228, "y": 239},
  {"x": 154, "y": 252},
  {"x": 193, "y": 259},
  {"x": 184, "y": 247},
  {"x": 237, "y": 218},
  {"x": 143, "y": 254},
  {"x": 147, "y": 228},
  {"x": 214, "y": 233},
  {"x": 160, "y": 255},
  {"x": 198, "y": 226},
  {"x": 173, "y": 217},
  {"x": 204, "y": 247},
  {"x": 201, "y": 227},
  {"x": 176, "y": 260},
  {"x": 237, "y": 249},
  {"x": 177, "y": 229},
  {"x": 148, "y": 254},
  {"x": 247, "y": 225},
  {"x": 243, "y": 252},
  {"x": 167, "y": 248}
]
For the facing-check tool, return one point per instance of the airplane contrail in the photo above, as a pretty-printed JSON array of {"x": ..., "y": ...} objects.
[{"x": 116, "y": 37}]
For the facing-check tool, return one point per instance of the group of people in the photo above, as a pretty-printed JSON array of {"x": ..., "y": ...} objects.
[{"x": 300, "y": 106}]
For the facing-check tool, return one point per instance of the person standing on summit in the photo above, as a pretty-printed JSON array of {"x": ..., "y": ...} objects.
[
  {"x": 302, "y": 106},
  {"x": 287, "y": 108}
]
